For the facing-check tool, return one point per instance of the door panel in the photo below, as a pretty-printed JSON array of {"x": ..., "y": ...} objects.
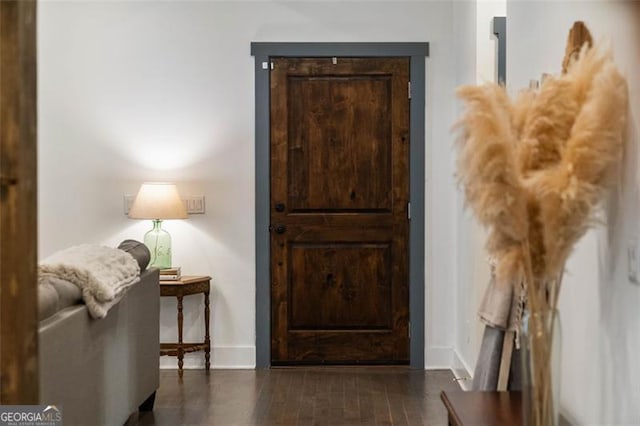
[
  {"x": 339, "y": 193},
  {"x": 339, "y": 130},
  {"x": 340, "y": 286}
]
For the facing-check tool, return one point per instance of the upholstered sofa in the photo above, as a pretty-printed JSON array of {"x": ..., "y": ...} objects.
[{"x": 102, "y": 370}]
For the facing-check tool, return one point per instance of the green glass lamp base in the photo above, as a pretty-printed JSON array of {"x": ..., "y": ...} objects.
[{"x": 158, "y": 241}]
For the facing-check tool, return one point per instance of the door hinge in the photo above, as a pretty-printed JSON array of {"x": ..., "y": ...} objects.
[
  {"x": 409, "y": 210},
  {"x": 409, "y": 89},
  {"x": 409, "y": 329}
]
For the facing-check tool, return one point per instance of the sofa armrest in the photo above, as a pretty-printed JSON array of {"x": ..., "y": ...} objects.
[{"x": 100, "y": 371}]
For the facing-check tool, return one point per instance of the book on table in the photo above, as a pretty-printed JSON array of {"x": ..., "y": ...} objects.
[
  {"x": 170, "y": 277},
  {"x": 170, "y": 274}
]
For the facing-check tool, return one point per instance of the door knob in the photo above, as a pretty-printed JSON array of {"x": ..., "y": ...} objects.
[
  {"x": 280, "y": 229},
  {"x": 279, "y": 207}
]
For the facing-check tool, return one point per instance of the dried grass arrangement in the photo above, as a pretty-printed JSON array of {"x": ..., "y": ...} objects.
[{"x": 533, "y": 169}]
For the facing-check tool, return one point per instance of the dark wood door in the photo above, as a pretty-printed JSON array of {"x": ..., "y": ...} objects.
[
  {"x": 339, "y": 210},
  {"x": 18, "y": 204}
]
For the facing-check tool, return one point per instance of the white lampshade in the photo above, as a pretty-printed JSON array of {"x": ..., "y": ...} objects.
[{"x": 158, "y": 201}]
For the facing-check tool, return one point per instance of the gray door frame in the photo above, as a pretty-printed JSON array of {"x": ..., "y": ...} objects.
[
  {"x": 262, "y": 52},
  {"x": 500, "y": 30}
]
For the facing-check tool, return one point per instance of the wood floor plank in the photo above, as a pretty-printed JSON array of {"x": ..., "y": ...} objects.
[
  {"x": 381, "y": 407},
  {"x": 395, "y": 393},
  {"x": 303, "y": 396},
  {"x": 308, "y": 391},
  {"x": 351, "y": 403},
  {"x": 365, "y": 399}
]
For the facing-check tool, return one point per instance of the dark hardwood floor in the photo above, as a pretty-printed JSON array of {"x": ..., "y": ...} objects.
[{"x": 301, "y": 396}]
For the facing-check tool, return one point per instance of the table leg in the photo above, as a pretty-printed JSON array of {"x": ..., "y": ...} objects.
[
  {"x": 207, "y": 339},
  {"x": 180, "y": 348}
]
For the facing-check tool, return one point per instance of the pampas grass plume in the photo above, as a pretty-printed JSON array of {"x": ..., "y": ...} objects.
[{"x": 534, "y": 169}]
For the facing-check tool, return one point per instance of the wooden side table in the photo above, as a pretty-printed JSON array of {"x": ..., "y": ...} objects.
[{"x": 185, "y": 286}]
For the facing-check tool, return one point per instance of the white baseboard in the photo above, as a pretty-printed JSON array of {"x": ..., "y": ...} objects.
[
  {"x": 244, "y": 357},
  {"x": 461, "y": 371},
  {"x": 438, "y": 358},
  {"x": 447, "y": 358},
  {"x": 222, "y": 357}
]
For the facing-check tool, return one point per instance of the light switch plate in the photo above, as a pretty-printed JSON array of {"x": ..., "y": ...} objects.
[
  {"x": 128, "y": 202},
  {"x": 193, "y": 203}
]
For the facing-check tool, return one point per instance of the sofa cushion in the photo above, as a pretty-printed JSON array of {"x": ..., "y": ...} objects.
[
  {"x": 138, "y": 250},
  {"x": 47, "y": 300},
  {"x": 55, "y": 294}
]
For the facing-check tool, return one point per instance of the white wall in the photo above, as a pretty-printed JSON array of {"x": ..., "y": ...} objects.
[
  {"x": 599, "y": 307},
  {"x": 476, "y": 63},
  {"x": 465, "y": 17},
  {"x": 138, "y": 91}
]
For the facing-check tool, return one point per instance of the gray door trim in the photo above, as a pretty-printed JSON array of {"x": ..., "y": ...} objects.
[
  {"x": 500, "y": 30},
  {"x": 417, "y": 52}
]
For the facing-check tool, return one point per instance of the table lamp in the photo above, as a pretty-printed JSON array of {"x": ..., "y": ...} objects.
[{"x": 158, "y": 201}]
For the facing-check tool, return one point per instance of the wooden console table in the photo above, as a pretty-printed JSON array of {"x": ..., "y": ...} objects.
[
  {"x": 483, "y": 408},
  {"x": 187, "y": 285},
  {"x": 486, "y": 408}
]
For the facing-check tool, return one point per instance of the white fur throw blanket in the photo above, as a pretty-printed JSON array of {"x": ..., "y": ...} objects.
[{"x": 103, "y": 274}]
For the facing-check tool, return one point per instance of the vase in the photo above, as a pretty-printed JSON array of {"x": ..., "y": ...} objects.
[
  {"x": 158, "y": 241},
  {"x": 540, "y": 348}
]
